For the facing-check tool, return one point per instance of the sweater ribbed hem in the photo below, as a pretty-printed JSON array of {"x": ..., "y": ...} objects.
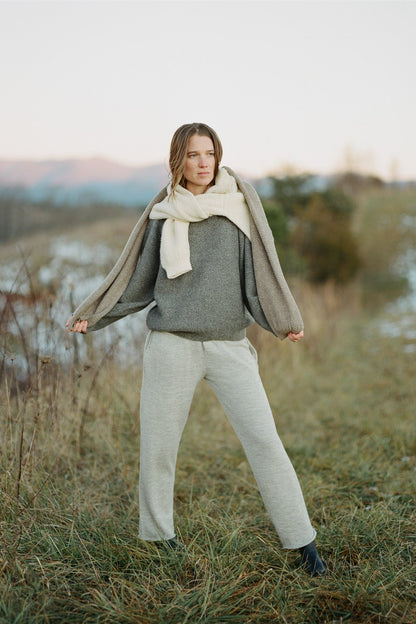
[{"x": 204, "y": 336}]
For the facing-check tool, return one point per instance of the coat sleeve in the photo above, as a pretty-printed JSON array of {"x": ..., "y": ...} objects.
[{"x": 139, "y": 292}]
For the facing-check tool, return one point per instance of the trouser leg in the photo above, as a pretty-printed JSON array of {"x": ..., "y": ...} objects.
[
  {"x": 232, "y": 372},
  {"x": 172, "y": 368}
]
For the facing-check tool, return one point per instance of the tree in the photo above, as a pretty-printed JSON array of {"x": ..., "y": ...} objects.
[
  {"x": 322, "y": 236},
  {"x": 314, "y": 228}
]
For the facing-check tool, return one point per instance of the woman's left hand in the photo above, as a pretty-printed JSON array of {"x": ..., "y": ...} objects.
[{"x": 295, "y": 337}]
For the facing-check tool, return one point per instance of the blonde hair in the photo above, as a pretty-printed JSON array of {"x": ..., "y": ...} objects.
[{"x": 178, "y": 146}]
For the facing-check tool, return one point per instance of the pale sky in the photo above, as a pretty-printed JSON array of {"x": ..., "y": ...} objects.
[{"x": 298, "y": 83}]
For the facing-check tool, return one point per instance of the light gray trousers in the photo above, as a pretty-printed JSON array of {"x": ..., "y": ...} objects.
[{"x": 172, "y": 368}]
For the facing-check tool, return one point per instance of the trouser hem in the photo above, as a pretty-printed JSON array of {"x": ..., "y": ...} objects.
[
  {"x": 156, "y": 539},
  {"x": 300, "y": 543}
]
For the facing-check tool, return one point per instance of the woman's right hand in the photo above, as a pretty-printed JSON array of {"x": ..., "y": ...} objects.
[{"x": 80, "y": 326}]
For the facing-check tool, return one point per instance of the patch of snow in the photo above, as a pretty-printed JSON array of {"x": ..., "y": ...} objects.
[
  {"x": 400, "y": 321},
  {"x": 78, "y": 268},
  {"x": 13, "y": 279}
]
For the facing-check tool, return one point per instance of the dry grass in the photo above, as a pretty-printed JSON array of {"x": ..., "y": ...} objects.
[
  {"x": 344, "y": 404},
  {"x": 345, "y": 410}
]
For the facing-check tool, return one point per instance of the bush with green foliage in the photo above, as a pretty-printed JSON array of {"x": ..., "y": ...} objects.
[{"x": 313, "y": 229}]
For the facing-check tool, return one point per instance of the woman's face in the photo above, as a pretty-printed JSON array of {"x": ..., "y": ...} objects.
[{"x": 200, "y": 164}]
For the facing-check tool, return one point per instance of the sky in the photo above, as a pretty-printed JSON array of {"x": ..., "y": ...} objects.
[{"x": 300, "y": 85}]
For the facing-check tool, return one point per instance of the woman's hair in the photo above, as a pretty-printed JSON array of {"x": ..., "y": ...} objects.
[{"x": 179, "y": 143}]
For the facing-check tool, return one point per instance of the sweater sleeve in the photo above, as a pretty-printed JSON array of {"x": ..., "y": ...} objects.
[
  {"x": 139, "y": 292},
  {"x": 248, "y": 282}
]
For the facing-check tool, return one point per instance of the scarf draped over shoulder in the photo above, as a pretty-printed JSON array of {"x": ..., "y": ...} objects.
[{"x": 276, "y": 300}]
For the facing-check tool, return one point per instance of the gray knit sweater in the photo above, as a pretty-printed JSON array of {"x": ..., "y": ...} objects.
[{"x": 217, "y": 300}]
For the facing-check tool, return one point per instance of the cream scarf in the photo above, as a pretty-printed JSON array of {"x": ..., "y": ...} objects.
[{"x": 223, "y": 199}]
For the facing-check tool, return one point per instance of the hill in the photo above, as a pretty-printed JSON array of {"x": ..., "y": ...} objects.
[{"x": 76, "y": 179}]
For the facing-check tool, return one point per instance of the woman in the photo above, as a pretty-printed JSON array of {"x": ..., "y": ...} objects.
[{"x": 204, "y": 254}]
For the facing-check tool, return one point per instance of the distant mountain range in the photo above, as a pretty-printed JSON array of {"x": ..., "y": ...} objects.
[
  {"x": 73, "y": 180},
  {"x": 76, "y": 180}
]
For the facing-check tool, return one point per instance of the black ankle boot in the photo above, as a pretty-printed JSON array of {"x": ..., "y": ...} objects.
[
  {"x": 312, "y": 561},
  {"x": 171, "y": 544}
]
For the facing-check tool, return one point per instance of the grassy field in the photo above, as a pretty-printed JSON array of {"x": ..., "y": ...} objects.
[{"x": 344, "y": 401}]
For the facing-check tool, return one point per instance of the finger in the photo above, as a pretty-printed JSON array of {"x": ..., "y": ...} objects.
[{"x": 81, "y": 327}]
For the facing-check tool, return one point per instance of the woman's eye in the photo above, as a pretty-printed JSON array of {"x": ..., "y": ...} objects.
[{"x": 211, "y": 154}]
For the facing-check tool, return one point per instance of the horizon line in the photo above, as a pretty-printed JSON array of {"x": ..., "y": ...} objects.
[{"x": 284, "y": 170}]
